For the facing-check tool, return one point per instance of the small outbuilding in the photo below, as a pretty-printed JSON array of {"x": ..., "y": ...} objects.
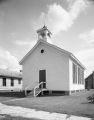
[
  {"x": 89, "y": 81},
  {"x": 47, "y": 67}
]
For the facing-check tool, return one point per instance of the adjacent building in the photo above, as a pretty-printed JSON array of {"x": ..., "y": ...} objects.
[
  {"x": 51, "y": 68},
  {"x": 10, "y": 80},
  {"x": 89, "y": 81}
]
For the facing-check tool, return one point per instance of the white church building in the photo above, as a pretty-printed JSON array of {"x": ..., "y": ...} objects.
[{"x": 47, "y": 67}]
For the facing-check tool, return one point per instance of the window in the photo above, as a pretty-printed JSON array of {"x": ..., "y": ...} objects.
[
  {"x": 83, "y": 78},
  {"x": 74, "y": 73},
  {"x": 80, "y": 76},
  {"x": 19, "y": 81},
  {"x": 12, "y": 82},
  {"x": 4, "y": 81}
]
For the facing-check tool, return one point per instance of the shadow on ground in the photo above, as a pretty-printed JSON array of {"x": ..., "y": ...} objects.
[
  {"x": 8, "y": 117},
  {"x": 12, "y": 94}
]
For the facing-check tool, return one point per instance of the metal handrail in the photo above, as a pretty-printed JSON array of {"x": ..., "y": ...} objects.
[
  {"x": 41, "y": 83},
  {"x": 34, "y": 88}
]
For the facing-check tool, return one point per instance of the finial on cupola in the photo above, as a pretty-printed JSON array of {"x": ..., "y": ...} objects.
[{"x": 44, "y": 33}]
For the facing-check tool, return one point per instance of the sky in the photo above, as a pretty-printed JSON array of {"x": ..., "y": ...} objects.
[{"x": 70, "y": 21}]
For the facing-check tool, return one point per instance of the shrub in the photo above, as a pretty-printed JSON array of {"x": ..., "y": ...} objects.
[{"x": 91, "y": 98}]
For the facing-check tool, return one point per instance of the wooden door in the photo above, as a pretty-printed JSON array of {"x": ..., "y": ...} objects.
[{"x": 42, "y": 77}]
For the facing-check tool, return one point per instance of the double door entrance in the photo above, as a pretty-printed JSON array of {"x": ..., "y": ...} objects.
[{"x": 42, "y": 78}]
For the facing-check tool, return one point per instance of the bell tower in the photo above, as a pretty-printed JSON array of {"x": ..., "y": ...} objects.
[{"x": 44, "y": 33}]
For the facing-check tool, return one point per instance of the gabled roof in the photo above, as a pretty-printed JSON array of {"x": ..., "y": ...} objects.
[
  {"x": 12, "y": 74},
  {"x": 54, "y": 46},
  {"x": 90, "y": 76}
]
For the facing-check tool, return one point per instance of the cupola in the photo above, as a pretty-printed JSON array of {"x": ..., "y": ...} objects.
[{"x": 44, "y": 33}]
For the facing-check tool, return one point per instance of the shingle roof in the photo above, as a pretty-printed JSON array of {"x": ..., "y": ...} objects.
[{"x": 8, "y": 73}]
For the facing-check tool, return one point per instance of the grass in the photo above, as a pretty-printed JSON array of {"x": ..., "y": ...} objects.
[
  {"x": 5, "y": 98},
  {"x": 75, "y": 104}
]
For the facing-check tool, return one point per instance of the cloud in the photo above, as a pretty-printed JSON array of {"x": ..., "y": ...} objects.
[
  {"x": 86, "y": 56},
  {"x": 76, "y": 8},
  {"x": 59, "y": 19},
  {"x": 29, "y": 43},
  {"x": 87, "y": 36},
  {"x": 7, "y": 60},
  {"x": 22, "y": 43}
]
